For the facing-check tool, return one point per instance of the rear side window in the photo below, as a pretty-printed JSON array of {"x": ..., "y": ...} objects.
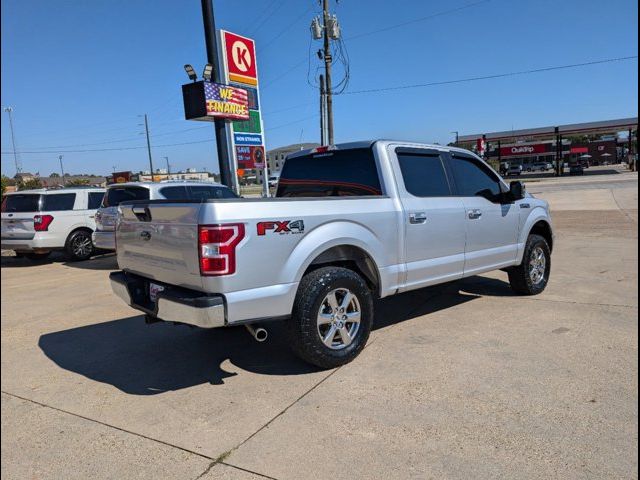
[
  {"x": 58, "y": 202},
  {"x": 203, "y": 192},
  {"x": 95, "y": 199},
  {"x": 21, "y": 203},
  {"x": 116, "y": 195},
  {"x": 331, "y": 174},
  {"x": 424, "y": 175},
  {"x": 174, "y": 193}
]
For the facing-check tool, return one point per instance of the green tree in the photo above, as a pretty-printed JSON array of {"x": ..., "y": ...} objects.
[
  {"x": 55, "y": 175},
  {"x": 5, "y": 183},
  {"x": 30, "y": 184},
  {"x": 76, "y": 182}
]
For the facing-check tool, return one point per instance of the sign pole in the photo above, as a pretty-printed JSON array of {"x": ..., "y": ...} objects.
[{"x": 222, "y": 143}]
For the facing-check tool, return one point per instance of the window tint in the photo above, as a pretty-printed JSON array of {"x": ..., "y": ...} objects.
[
  {"x": 56, "y": 202},
  {"x": 203, "y": 192},
  {"x": 423, "y": 175},
  {"x": 21, "y": 203},
  {"x": 117, "y": 195},
  {"x": 331, "y": 174},
  {"x": 474, "y": 179},
  {"x": 175, "y": 193},
  {"x": 95, "y": 199}
]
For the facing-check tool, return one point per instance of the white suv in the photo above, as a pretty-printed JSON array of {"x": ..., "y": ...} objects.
[
  {"x": 104, "y": 236},
  {"x": 36, "y": 222}
]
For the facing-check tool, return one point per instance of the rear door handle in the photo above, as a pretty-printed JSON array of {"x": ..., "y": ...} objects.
[
  {"x": 417, "y": 218},
  {"x": 474, "y": 214}
]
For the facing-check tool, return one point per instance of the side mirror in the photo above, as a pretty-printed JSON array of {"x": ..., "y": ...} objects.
[{"x": 517, "y": 191}]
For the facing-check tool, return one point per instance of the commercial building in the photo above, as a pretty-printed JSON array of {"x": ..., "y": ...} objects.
[{"x": 596, "y": 142}]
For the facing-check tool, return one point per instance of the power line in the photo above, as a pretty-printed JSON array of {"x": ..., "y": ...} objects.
[{"x": 489, "y": 77}]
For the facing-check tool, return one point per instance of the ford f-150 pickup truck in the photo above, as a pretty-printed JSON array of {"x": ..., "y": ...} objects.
[{"x": 349, "y": 223}]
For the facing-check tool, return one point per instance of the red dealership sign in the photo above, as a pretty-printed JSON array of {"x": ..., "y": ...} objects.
[
  {"x": 579, "y": 149},
  {"x": 523, "y": 150}
]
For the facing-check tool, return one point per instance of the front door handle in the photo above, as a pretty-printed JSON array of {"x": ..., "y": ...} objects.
[
  {"x": 417, "y": 218},
  {"x": 474, "y": 214}
]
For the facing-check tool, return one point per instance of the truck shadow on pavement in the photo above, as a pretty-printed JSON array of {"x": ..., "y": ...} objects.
[{"x": 141, "y": 359}]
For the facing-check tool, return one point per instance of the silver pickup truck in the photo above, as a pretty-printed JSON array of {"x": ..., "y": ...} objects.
[{"x": 349, "y": 223}]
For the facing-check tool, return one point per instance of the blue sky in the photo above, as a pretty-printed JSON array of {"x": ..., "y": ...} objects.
[{"x": 79, "y": 73}]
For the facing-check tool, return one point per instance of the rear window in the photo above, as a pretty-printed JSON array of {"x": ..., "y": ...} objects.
[
  {"x": 116, "y": 195},
  {"x": 21, "y": 203},
  {"x": 58, "y": 202},
  {"x": 334, "y": 173}
]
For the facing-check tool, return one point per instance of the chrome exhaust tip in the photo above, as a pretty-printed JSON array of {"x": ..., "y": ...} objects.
[{"x": 258, "y": 333}]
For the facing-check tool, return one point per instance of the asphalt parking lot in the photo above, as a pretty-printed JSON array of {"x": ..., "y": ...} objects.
[{"x": 463, "y": 380}]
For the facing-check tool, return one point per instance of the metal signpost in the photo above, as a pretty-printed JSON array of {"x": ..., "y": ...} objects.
[{"x": 246, "y": 138}]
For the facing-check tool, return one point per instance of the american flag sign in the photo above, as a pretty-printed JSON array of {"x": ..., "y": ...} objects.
[{"x": 224, "y": 101}]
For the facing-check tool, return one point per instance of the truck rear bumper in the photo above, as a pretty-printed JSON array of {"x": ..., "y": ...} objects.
[{"x": 173, "y": 304}]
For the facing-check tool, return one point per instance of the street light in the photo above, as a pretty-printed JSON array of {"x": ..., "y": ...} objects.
[
  {"x": 191, "y": 72},
  {"x": 208, "y": 72},
  {"x": 457, "y": 137}
]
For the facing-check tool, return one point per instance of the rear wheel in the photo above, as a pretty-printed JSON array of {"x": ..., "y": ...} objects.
[
  {"x": 332, "y": 317},
  {"x": 532, "y": 275},
  {"x": 79, "y": 245}
]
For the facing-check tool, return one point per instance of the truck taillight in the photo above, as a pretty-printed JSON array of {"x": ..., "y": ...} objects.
[
  {"x": 41, "y": 222},
  {"x": 217, "y": 245}
]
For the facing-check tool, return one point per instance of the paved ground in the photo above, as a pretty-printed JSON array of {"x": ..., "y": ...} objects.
[{"x": 459, "y": 381}]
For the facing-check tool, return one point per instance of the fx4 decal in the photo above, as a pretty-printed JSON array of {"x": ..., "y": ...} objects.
[{"x": 281, "y": 227}]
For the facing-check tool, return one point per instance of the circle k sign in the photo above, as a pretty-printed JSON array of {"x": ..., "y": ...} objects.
[{"x": 240, "y": 57}]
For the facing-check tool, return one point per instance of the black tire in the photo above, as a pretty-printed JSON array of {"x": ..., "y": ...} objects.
[
  {"x": 35, "y": 256},
  {"x": 77, "y": 247},
  {"x": 522, "y": 280},
  {"x": 304, "y": 329}
]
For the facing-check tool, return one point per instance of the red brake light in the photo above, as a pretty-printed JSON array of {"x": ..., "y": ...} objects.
[
  {"x": 217, "y": 245},
  {"x": 41, "y": 222}
]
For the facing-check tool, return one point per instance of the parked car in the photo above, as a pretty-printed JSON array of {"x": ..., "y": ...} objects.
[
  {"x": 273, "y": 180},
  {"x": 514, "y": 170},
  {"x": 538, "y": 167},
  {"x": 350, "y": 223},
  {"x": 104, "y": 236},
  {"x": 37, "y": 222},
  {"x": 576, "y": 169}
]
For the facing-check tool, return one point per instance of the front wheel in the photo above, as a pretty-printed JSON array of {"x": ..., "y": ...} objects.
[
  {"x": 532, "y": 275},
  {"x": 332, "y": 317},
  {"x": 79, "y": 245}
]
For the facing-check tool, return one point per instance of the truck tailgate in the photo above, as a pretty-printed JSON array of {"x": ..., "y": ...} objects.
[{"x": 159, "y": 240}]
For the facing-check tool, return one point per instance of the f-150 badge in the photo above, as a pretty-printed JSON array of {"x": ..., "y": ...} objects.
[{"x": 281, "y": 227}]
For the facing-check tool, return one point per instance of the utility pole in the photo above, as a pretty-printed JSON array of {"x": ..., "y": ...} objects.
[
  {"x": 323, "y": 113},
  {"x": 168, "y": 167},
  {"x": 62, "y": 171},
  {"x": 146, "y": 127},
  {"x": 457, "y": 138},
  {"x": 9, "y": 111},
  {"x": 327, "y": 69},
  {"x": 219, "y": 125}
]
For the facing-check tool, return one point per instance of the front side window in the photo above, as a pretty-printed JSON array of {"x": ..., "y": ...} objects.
[
  {"x": 423, "y": 175},
  {"x": 474, "y": 179},
  {"x": 334, "y": 173},
  {"x": 58, "y": 202},
  {"x": 203, "y": 192}
]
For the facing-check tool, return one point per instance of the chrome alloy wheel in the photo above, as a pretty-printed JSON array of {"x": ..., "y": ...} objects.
[
  {"x": 81, "y": 246},
  {"x": 537, "y": 265},
  {"x": 339, "y": 318}
]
